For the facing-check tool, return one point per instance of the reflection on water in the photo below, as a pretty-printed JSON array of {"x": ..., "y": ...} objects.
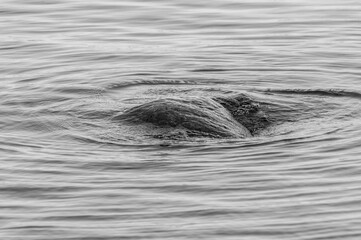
[{"x": 68, "y": 171}]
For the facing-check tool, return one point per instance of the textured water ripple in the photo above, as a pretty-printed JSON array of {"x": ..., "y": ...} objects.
[{"x": 69, "y": 172}]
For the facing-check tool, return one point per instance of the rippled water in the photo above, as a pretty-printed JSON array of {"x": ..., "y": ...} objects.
[{"x": 69, "y": 172}]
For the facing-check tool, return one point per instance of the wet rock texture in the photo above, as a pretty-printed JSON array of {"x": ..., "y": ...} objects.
[{"x": 218, "y": 117}]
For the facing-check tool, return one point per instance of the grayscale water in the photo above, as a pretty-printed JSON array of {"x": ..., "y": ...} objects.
[{"x": 68, "y": 171}]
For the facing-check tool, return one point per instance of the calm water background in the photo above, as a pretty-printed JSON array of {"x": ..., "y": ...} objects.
[{"x": 68, "y": 172}]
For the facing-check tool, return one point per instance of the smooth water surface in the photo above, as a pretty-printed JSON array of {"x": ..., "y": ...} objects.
[{"x": 68, "y": 171}]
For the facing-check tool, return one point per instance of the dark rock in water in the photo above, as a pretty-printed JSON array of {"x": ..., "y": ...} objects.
[
  {"x": 218, "y": 117},
  {"x": 245, "y": 111}
]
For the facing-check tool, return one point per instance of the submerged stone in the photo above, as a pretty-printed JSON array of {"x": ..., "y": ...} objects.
[{"x": 218, "y": 117}]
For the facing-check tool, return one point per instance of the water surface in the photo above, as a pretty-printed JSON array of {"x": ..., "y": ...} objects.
[{"x": 69, "y": 172}]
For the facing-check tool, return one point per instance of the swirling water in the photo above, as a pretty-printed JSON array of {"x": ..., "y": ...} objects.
[{"x": 69, "y": 172}]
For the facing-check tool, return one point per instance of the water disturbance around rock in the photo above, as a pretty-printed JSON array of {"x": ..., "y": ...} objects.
[
  {"x": 180, "y": 120},
  {"x": 219, "y": 117}
]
